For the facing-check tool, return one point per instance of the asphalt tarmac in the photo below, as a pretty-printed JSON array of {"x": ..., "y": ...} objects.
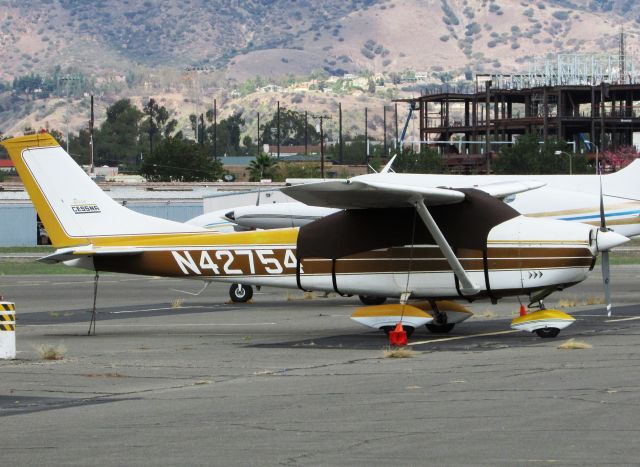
[{"x": 172, "y": 378}]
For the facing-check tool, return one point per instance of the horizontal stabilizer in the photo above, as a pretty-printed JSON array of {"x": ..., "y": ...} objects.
[{"x": 66, "y": 254}]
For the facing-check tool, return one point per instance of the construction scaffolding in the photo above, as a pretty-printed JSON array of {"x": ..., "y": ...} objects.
[{"x": 568, "y": 70}]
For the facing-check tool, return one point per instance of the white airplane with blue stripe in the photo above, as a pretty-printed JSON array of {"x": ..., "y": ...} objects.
[{"x": 565, "y": 197}]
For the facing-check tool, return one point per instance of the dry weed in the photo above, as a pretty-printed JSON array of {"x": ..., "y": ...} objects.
[
  {"x": 51, "y": 352},
  {"x": 399, "y": 352},
  {"x": 594, "y": 300},
  {"x": 177, "y": 303},
  {"x": 567, "y": 303},
  {"x": 488, "y": 314},
  {"x": 573, "y": 344}
]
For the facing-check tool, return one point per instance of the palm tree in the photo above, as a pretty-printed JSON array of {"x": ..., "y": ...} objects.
[{"x": 263, "y": 166}]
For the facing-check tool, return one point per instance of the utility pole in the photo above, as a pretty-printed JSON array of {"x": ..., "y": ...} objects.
[
  {"x": 201, "y": 132},
  {"x": 306, "y": 133},
  {"x": 258, "y": 140},
  {"x": 384, "y": 130},
  {"x": 366, "y": 136},
  {"x": 215, "y": 130},
  {"x": 321, "y": 118},
  {"x": 91, "y": 139},
  {"x": 398, "y": 150},
  {"x": 278, "y": 128},
  {"x": 340, "y": 132}
]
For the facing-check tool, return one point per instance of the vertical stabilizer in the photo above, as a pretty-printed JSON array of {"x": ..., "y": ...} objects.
[{"x": 73, "y": 209}]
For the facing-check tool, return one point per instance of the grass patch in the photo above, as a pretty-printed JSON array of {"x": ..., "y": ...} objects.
[
  {"x": 51, "y": 352},
  {"x": 27, "y": 249},
  {"x": 399, "y": 352},
  {"x": 11, "y": 268},
  {"x": 573, "y": 344},
  {"x": 621, "y": 260}
]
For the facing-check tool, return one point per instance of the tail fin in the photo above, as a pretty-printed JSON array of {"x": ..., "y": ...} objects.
[
  {"x": 624, "y": 182},
  {"x": 73, "y": 209}
]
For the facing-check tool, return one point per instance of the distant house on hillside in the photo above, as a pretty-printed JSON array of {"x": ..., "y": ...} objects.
[{"x": 270, "y": 88}]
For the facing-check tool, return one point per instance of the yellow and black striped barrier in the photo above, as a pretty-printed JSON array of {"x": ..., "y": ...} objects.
[{"x": 7, "y": 330}]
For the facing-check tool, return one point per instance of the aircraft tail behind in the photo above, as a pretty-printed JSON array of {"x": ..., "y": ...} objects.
[
  {"x": 73, "y": 209},
  {"x": 624, "y": 183}
]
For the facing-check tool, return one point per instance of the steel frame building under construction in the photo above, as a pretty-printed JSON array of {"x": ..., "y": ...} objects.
[{"x": 584, "y": 100}]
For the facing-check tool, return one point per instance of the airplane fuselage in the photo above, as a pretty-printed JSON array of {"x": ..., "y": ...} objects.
[{"x": 505, "y": 267}]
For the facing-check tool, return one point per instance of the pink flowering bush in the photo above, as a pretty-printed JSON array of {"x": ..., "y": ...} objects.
[{"x": 618, "y": 158}]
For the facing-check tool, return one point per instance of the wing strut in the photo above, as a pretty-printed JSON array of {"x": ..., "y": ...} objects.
[{"x": 468, "y": 286}]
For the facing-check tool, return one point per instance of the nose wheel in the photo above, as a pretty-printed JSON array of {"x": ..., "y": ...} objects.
[
  {"x": 240, "y": 293},
  {"x": 547, "y": 332}
]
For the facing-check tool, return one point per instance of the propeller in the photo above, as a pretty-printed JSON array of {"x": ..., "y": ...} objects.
[
  {"x": 605, "y": 240},
  {"x": 605, "y": 255}
]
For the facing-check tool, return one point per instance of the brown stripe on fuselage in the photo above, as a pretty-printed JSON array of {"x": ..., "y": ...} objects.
[{"x": 272, "y": 261}]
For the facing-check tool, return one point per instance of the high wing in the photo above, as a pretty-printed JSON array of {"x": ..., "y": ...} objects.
[{"x": 358, "y": 193}]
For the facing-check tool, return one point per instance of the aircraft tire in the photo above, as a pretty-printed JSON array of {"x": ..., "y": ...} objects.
[
  {"x": 547, "y": 332},
  {"x": 372, "y": 299},
  {"x": 240, "y": 293},
  {"x": 440, "y": 328}
]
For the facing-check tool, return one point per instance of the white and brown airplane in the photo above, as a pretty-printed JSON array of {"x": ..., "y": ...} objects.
[{"x": 392, "y": 240}]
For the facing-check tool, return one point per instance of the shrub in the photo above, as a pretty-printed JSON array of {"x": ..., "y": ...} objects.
[{"x": 561, "y": 15}]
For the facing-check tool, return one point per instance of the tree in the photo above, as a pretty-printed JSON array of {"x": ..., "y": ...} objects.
[
  {"x": 157, "y": 125},
  {"x": 292, "y": 129},
  {"x": 354, "y": 151},
  {"x": 428, "y": 161},
  {"x": 227, "y": 133},
  {"x": 529, "y": 157},
  {"x": 263, "y": 166},
  {"x": 179, "y": 159},
  {"x": 80, "y": 146},
  {"x": 118, "y": 139}
]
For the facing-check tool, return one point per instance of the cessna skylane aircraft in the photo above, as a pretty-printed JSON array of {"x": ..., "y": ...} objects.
[{"x": 403, "y": 240}]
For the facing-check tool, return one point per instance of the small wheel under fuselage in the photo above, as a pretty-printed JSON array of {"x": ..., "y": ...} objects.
[
  {"x": 440, "y": 328},
  {"x": 240, "y": 293},
  {"x": 372, "y": 299}
]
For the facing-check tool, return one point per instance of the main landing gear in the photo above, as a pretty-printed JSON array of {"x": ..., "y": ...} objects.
[
  {"x": 440, "y": 323},
  {"x": 240, "y": 293}
]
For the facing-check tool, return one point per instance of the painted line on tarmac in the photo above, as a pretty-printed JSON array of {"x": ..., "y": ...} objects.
[
  {"x": 157, "y": 309},
  {"x": 621, "y": 319},
  {"x": 446, "y": 339},
  {"x": 106, "y": 324}
]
